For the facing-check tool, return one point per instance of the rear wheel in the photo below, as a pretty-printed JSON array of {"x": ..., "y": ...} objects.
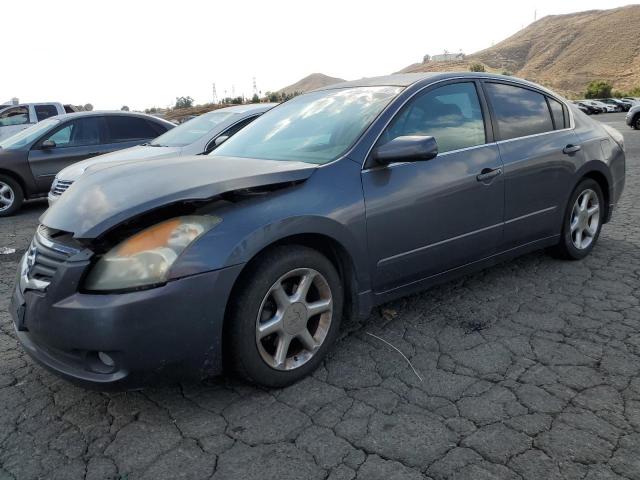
[
  {"x": 636, "y": 122},
  {"x": 285, "y": 316},
  {"x": 582, "y": 221},
  {"x": 11, "y": 196}
]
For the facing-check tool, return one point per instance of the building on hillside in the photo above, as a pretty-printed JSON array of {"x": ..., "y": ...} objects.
[{"x": 443, "y": 57}]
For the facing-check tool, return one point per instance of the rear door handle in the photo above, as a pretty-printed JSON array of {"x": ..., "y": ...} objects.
[
  {"x": 488, "y": 174},
  {"x": 569, "y": 149}
]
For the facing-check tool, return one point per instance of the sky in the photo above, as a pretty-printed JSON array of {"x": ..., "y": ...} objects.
[{"x": 143, "y": 53}]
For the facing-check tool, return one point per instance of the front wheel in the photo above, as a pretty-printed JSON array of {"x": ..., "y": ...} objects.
[
  {"x": 11, "y": 196},
  {"x": 636, "y": 122},
  {"x": 284, "y": 316},
  {"x": 582, "y": 221}
]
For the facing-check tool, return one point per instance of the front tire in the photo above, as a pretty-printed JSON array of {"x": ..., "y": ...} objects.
[
  {"x": 11, "y": 196},
  {"x": 582, "y": 221},
  {"x": 284, "y": 316},
  {"x": 636, "y": 122}
]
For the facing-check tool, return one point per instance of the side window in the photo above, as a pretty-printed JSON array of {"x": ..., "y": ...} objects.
[
  {"x": 239, "y": 126},
  {"x": 519, "y": 111},
  {"x": 77, "y": 133},
  {"x": 14, "y": 116},
  {"x": 158, "y": 128},
  {"x": 45, "y": 111},
  {"x": 557, "y": 111},
  {"x": 125, "y": 129},
  {"x": 451, "y": 114}
]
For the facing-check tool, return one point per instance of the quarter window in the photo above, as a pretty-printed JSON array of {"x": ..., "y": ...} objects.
[
  {"x": 519, "y": 111},
  {"x": 45, "y": 111},
  {"x": 451, "y": 114},
  {"x": 557, "y": 111}
]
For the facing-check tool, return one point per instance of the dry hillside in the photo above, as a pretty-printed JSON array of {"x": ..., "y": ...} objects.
[
  {"x": 566, "y": 52},
  {"x": 311, "y": 82}
]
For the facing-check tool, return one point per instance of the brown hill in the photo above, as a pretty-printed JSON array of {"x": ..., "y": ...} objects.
[
  {"x": 565, "y": 52},
  {"x": 311, "y": 82}
]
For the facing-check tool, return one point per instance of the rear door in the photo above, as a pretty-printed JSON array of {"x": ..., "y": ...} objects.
[
  {"x": 74, "y": 140},
  {"x": 538, "y": 149}
]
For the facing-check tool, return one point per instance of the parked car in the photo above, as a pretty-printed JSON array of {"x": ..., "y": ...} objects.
[
  {"x": 197, "y": 136},
  {"x": 633, "y": 117},
  {"x": 619, "y": 105},
  {"x": 588, "y": 109},
  {"x": 606, "y": 108},
  {"x": 599, "y": 107},
  {"x": 327, "y": 205},
  {"x": 30, "y": 159},
  {"x": 14, "y": 118}
]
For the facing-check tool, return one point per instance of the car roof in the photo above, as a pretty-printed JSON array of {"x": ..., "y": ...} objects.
[
  {"x": 97, "y": 113},
  {"x": 248, "y": 108},
  {"x": 407, "y": 79}
]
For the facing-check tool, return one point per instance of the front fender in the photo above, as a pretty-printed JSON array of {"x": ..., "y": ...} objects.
[{"x": 251, "y": 225}]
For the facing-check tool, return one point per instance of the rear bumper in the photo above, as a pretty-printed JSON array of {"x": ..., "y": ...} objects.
[{"x": 170, "y": 332}]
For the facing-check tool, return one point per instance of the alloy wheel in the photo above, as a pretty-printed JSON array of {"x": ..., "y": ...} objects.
[
  {"x": 7, "y": 196},
  {"x": 585, "y": 219},
  {"x": 294, "y": 319}
]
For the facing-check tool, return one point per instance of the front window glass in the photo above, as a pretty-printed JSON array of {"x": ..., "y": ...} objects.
[
  {"x": 77, "y": 133},
  {"x": 450, "y": 114},
  {"x": 194, "y": 129},
  {"x": 28, "y": 135},
  {"x": 14, "y": 116},
  {"x": 317, "y": 127}
]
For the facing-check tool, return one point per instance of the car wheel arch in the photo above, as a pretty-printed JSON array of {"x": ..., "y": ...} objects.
[
  {"x": 17, "y": 179},
  {"x": 598, "y": 171}
]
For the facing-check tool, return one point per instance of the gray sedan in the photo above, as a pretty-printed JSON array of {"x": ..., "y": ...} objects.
[
  {"x": 200, "y": 135},
  {"x": 326, "y": 206}
]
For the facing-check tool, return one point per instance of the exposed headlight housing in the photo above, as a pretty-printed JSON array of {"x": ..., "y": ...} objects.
[{"x": 145, "y": 259}]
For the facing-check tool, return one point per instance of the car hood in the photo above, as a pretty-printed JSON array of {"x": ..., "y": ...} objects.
[
  {"x": 106, "y": 196},
  {"x": 74, "y": 171}
]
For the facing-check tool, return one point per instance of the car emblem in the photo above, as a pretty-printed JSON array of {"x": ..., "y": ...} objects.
[{"x": 31, "y": 261}]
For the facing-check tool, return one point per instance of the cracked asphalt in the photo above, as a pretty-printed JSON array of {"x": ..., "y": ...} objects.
[{"x": 530, "y": 371}]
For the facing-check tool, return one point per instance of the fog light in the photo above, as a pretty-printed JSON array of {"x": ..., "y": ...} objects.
[{"x": 106, "y": 359}]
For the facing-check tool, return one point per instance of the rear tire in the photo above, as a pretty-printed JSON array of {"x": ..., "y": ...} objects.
[
  {"x": 11, "y": 196},
  {"x": 284, "y": 316},
  {"x": 636, "y": 122},
  {"x": 582, "y": 221}
]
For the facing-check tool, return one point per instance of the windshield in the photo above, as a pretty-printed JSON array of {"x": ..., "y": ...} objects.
[
  {"x": 193, "y": 130},
  {"x": 28, "y": 135},
  {"x": 316, "y": 128}
]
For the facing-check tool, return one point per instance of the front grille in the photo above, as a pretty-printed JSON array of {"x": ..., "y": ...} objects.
[
  {"x": 60, "y": 186},
  {"x": 45, "y": 255}
]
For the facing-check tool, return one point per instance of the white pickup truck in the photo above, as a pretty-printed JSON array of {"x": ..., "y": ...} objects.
[{"x": 14, "y": 118}]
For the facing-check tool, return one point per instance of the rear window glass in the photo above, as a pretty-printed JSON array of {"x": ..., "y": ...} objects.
[
  {"x": 519, "y": 111},
  {"x": 558, "y": 113},
  {"x": 123, "y": 129},
  {"x": 45, "y": 111}
]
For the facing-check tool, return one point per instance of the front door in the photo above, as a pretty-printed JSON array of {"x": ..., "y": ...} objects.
[
  {"x": 424, "y": 218},
  {"x": 73, "y": 141}
]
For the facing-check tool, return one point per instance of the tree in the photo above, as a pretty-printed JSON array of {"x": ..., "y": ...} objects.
[
  {"x": 125, "y": 108},
  {"x": 476, "y": 67},
  {"x": 598, "y": 89},
  {"x": 88, "y": 107},
  {"x": 184, "y": 102},
  {"x": 255, "y": 98},
  {"x": 273, "y": 97},
  {"x": 506, "y": 73}
]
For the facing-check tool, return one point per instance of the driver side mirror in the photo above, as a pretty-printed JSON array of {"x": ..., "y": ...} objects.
[
  {"x": 406, "y": 149},
  {"x": 220, "y": 140},
  {"x": 47, "y": 144}
]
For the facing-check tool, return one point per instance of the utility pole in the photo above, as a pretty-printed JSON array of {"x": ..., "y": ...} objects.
[
  {"x": 255, "y": 88},
  {"x": 215, "y": 94}
]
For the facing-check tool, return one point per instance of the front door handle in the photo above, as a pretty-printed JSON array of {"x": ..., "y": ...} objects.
[
  {"x": 569, "y": 149},
  {"x": 488, "y": 174}
]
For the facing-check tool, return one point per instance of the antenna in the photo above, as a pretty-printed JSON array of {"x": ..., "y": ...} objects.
[{"x": 215, "y": 94}]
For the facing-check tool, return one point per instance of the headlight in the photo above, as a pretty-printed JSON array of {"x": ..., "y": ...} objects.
[{"x": 146, "y": 258}]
